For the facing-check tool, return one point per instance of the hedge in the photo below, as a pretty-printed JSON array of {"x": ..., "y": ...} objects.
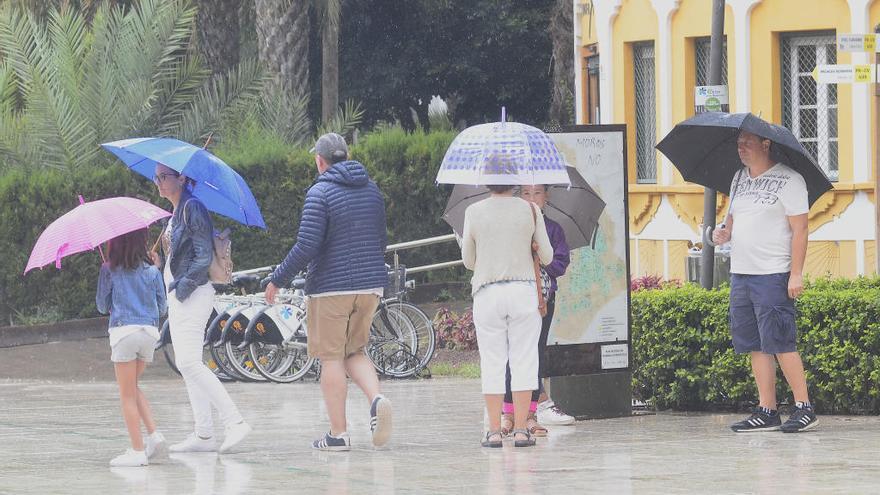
[
  {"x": 683, "y": 358},
  {"x": 403, "y": 164}
]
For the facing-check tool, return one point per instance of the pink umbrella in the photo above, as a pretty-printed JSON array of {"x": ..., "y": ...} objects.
[{"x": 89, "y": 225}]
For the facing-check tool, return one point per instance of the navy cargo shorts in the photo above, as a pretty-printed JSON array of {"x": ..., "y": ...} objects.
[{"x": 762, "y": 316}]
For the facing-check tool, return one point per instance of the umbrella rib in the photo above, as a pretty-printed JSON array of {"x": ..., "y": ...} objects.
[{"x": 569, "y": 217}]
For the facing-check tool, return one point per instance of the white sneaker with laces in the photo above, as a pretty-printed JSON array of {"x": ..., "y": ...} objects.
[
  {"x": 234, "y": 435},
  {"x": 550, "y": 414},
  {"x": 155, "y": 445},
  {"x": 131, "y": 458},
  {"x": 193, "y": 443}
]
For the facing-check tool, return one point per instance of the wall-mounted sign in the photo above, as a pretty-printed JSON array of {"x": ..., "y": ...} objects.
[{"x": 711, "y": 99}]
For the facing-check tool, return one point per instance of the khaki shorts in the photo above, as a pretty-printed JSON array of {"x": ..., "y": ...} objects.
[{"x": 339, "y": 326}]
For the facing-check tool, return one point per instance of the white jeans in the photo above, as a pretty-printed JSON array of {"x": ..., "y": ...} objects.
[
  {"x": 508, "y": 325},
  {"x": 187, "y": 321}
]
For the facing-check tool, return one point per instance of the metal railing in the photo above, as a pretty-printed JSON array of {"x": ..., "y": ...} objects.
[
  {"x": 394, "y": 249},
  {"x": 430, "y": 241}
]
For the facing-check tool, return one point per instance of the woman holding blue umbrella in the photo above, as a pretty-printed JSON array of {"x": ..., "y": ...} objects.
[{"x": 188, "y": 247}]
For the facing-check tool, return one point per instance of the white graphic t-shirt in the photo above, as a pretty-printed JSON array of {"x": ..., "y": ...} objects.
[{"x": 761, "y": 237}]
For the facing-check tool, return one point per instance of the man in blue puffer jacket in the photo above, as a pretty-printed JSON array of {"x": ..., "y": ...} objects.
[{"x": 342, "y": 240}]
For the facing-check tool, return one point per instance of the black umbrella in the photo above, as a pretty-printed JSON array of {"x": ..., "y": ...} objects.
[
  {"x": 576, "y": 209},
  {"x": 703, "y": 149}
]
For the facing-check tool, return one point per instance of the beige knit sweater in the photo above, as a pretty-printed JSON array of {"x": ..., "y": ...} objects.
[{"x": 496, "y": 244}]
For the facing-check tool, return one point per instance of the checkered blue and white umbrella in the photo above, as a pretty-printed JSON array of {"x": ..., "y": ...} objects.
[{"x": 502, "y": 153}]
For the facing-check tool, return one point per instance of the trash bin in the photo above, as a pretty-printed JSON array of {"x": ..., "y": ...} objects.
[{"x": 693, "y": 264}]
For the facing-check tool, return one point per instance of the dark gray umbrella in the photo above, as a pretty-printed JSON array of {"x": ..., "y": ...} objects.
[
  {"x": 703, "y": 149},
  {"x": 576, "y": 209}
]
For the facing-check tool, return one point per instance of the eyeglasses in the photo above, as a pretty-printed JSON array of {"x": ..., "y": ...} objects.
[{"x": 161, "y": 177}]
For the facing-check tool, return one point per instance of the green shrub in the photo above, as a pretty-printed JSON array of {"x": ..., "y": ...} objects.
[
  {"x": 31, "y": 201},
  {"x": 683, "y": 358},
  {"x": 404, "y": 166}
]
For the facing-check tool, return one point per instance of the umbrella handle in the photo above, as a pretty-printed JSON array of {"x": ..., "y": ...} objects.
[{"x": 707, "y": 236}]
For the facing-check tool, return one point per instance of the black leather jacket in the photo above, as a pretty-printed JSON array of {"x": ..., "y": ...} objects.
[{"x": 192, "y": 246}]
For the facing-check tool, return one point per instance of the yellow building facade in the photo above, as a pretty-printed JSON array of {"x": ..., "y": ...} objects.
[{"x": 638, "y": 61}]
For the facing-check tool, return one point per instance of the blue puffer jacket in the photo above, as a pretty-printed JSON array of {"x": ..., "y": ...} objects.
[{"x": 341, "y": 235}]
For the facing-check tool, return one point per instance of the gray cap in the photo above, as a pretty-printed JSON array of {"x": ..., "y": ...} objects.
[{"x": 330, "y": 146}]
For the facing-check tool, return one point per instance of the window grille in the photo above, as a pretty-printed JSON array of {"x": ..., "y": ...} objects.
[
  {"x": 701, "y": 58},
  {"x": 646, "y": 112},
  {"x": 810, "y": 109}
]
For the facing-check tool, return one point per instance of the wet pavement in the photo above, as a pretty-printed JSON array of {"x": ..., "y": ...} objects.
[{"x": 57, "y": 437}]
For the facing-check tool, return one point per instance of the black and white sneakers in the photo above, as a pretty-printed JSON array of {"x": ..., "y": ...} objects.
[
  {"x": 380, "y": 420},
  {"x": 762, "y": 419},
  {"x": 802, "y": 419},
  {"x": 328, "y": 442}
]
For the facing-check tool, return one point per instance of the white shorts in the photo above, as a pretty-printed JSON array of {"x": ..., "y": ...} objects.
[
  {"x": 508, "y": 325},
  {"x": 139, "y": 344}
]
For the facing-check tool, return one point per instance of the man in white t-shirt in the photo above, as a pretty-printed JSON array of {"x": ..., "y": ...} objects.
[{"x": 769, "y": 208}]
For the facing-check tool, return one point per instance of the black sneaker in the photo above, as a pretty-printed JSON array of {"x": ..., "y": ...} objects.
[
  {"x": 802, "y": 419},
  {"x": 380, "y": 420},
  {"x": 760, "y": 420},
  {"x": 331, "y": 443}
]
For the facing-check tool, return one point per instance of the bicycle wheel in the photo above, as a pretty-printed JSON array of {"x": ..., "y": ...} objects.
[
  {"x": 283, "y": 363},
  {"x": 424, "y": 327},
  {"x": 167, "y": 347},
  {"x": 219, "y": 358},
  {"x": 279, "y": 349},
  {"x": 392, "y": 340},
  {"x": 240, "y": 359}
]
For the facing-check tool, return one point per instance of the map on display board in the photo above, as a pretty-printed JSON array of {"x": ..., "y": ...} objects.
[{"x": 590, "y": 331}]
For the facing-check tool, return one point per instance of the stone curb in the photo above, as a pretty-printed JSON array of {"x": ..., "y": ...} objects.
[{"x": 56, "y": 332}]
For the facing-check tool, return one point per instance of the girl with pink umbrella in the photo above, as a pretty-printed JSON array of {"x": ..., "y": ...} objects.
[{"x": 131, "y": 291}]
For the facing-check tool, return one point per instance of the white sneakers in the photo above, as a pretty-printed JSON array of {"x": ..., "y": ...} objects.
[
  {"x": 550, "y": 414},
  {"x": 155, "y": 445},
  {"x": 131, "y": 458},
  {"x": 234, "y": 435},
  {"x": 193, "y": 443}
]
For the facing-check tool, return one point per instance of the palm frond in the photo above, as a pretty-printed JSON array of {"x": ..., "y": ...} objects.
[
  {"x": 346, "y": 120},
  {"x": 285, "y": 116},
  {"x": 221, "y": 96},
  {"x": 19, "y": 45},
  {"x": 101, "y": 88},
  {"x": 178, "y": 92}
]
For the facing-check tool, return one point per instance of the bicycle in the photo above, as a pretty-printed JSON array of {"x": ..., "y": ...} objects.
[
  {"x": 276, "y": 338},
  {"x": 402, "y": 340}
]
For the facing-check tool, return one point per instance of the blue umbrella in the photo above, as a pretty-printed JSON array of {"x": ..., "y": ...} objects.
[{"x": 219, "y": 187}]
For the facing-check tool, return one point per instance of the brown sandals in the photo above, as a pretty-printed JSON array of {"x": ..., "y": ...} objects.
[{"x": 535, "y": 428}]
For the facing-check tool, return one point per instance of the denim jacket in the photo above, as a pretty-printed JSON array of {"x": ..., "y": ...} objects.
[
  {"x": 192, "y": 246},
  {"x": 132, "y": 297}
]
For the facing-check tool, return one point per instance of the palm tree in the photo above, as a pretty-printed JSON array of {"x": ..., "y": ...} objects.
[
  {"x": 218, "y": 33},
  {"x": 562, "y": 34},
  {"x": 283, "y": 44},
  {"x": 329, "y": 13},
  {"x": 66, "y": 85}
]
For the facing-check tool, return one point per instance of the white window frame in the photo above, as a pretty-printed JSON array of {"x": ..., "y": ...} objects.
[{"x": 822, "y": 106}]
